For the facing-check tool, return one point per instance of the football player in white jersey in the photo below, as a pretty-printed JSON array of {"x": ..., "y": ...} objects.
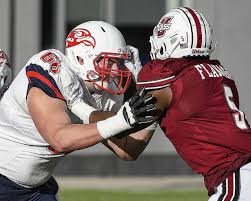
[
  {"x": 5, "y": 72},
  {"x": 35, "y": 129}
]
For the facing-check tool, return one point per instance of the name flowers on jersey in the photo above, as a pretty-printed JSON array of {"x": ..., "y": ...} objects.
[{"x": 209, "y": 70}]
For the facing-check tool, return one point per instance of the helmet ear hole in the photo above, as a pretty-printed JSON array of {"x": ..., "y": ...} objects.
[
  {"x": 161, "y": 51},
  {"x": 80, "y": 60}
]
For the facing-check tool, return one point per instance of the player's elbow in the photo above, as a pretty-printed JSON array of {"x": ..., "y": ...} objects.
[
  {"x": 129, "y": 153},
  {"x": 61, "y": 144},
  {"x": 128, "y": 157}
]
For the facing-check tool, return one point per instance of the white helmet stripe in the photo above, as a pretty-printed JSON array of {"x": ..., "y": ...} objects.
[
  {"x": 198, "y": 27},
  {"x": 190, "y": 26}
]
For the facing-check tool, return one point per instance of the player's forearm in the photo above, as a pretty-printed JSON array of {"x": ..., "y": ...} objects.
[
  {"x": 127, "y": 147},
  {"x": 100, "y": 115},
  {"x": 70, "y": 137},
  {"x": 74, "y": 137},
  {"x": 131, "y": 146}
]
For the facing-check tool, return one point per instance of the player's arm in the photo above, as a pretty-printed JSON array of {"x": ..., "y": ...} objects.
[
  {"x": 53, "y": 123},
  {"x": 163, "y": 99},
  {"x": 131, "y": 146},
  {"x": 127, "y": 145}
]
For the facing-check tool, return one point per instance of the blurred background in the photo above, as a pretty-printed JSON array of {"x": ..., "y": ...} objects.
[{"x": 29, "y": 26}]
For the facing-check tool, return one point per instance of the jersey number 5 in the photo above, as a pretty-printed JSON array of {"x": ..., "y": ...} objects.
[{"x": 238, "y": 116}]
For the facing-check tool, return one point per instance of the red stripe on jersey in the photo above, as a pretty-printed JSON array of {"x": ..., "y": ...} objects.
[
  {"x": 230, "y": 188},
  {"x": 198, "y": 27},
  {"x": 34, "y": 74}
]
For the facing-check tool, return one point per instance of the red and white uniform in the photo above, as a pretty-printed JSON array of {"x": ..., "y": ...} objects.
[
  {"x": 203, "y": 121},
  {"x": 25, "y": 157}
]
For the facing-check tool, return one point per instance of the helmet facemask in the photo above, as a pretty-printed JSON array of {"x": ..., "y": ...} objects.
[{"x": 110, "y": 73}]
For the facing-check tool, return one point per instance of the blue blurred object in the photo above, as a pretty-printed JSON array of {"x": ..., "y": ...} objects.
[{"x": 145, "y": 59}]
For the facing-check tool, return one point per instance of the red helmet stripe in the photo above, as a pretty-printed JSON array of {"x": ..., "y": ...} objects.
[
  {"x": 198, "y": 27},
  {"x": 205, "y": 31}
]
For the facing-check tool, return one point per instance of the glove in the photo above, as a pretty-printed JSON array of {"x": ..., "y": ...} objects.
[
  {"x": 133, "y": 63},
  {"x": 135, "y": 111}
]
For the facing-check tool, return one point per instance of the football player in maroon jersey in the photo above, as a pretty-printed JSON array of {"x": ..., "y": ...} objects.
[{"x": 199, "y": 104}]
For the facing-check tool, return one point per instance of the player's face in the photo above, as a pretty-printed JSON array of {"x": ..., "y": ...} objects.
[
  {"x": 109, "y": 73},
  {"x": 110, "y": 67}
]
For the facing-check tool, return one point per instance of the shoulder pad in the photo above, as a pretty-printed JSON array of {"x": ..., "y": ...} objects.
[{"x": 155, "y": 75}]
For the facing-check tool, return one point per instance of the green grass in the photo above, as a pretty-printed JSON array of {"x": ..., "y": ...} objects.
[{"x": 97, "y": 195}]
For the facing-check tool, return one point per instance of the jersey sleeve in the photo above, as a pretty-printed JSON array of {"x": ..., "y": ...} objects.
[
  {"x": 155, "y": 75},
  {"x": 40, "y": 78},
  {"x": 51, "y": 72}
]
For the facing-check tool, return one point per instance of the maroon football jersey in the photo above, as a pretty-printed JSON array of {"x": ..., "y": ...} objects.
[{"x": 203, "y": 121}]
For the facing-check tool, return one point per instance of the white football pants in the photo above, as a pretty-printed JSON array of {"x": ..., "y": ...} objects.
[{"x": 236, "y": 187}]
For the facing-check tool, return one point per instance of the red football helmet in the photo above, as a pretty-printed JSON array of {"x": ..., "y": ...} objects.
[{"x": 97, "y": 51}]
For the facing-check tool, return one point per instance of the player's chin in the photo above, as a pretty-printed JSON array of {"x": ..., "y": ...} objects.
[
  {"x": 100, "y": 86},
  {"x": 92, "y": 86}
]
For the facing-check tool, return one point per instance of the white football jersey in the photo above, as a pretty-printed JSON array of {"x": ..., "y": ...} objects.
[{"x": 25, "y": 157}]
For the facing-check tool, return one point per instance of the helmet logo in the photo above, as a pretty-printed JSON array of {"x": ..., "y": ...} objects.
[
  {"x": 163, "y": 26},
  {"x": 78, "y": 36}
]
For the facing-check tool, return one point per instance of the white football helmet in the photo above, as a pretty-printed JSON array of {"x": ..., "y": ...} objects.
[
  {"x": 97, "y": 51},
  {"x": 181, "y": 32},
  {"x": 5, "y": 72}
]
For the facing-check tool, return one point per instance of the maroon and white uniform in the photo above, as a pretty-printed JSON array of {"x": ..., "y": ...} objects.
[{"x": 203, "y": 121}]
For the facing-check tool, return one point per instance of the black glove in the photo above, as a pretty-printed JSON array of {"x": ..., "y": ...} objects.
[
  {"x": 140, "y": 108},
  {"x": 134, "y": 113}
]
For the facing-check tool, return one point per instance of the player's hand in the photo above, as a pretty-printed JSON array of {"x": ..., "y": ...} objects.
[
  {"x": 136, "y": 109},
  {"x": 133, "y": 63}
]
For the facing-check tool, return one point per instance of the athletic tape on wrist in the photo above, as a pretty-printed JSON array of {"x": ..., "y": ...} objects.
[
  {"x": 112, "y": 126},
  {"x": 83, "y": 111}
]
